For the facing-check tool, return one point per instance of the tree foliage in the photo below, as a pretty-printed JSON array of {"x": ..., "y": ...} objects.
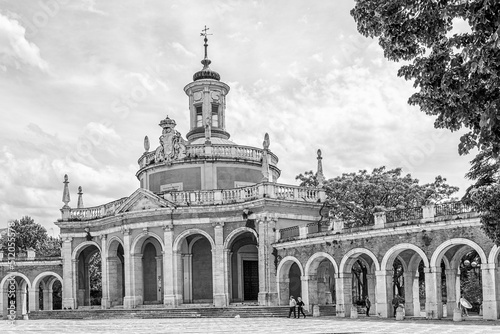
[
  {"x": 30, "y": 235},
  {"x": 484, "y": 194},
  {"x": 456, "y": 72},
  {"x": 354, "y": 197}
]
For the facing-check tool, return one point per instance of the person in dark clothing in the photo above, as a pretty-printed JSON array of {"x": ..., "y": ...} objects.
[
  {"x": 300, "y": 306},
  {"x": 395, "y": 304},
  {"x": 368, "y": 304},
  {"x": 292, "y": 307}
]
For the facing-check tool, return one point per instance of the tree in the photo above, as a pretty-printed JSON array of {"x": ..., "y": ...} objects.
[
  {"x": 457, "y": 73},
  {"x": 30, "y": 235},
  {"x": 354, "y": 197},
  {"x": 484, "y": 194}
]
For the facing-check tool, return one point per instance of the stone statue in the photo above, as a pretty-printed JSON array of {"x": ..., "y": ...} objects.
[
  {"x": 146, "y": 144},
  {"x": 172, "y": 146}
]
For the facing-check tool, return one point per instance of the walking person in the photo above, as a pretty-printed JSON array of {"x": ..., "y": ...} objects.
[
  {"x": 300, "y": 306},
  {"x": 292, "y": 307},
  {"x": 368, "y": 304}
]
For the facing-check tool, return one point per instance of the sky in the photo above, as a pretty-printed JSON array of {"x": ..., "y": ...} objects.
[{"x": 83, "y": 81}]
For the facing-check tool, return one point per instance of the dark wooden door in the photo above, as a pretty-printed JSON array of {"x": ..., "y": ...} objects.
[{"x": 250, "y": 280}]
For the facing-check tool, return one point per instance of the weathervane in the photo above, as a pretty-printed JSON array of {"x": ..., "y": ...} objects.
[{"x": 205, "y": 34}]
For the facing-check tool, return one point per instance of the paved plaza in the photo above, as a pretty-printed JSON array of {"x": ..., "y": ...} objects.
[{"x": 249, "y": 325}]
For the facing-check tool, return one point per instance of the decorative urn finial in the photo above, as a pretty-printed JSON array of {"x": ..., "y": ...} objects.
[
  {"x": 319, "y": 174},
  {"x": 146, "y": 143},
  {"x": 80, "y": 198},
  {"x": 66, "y": 198}
]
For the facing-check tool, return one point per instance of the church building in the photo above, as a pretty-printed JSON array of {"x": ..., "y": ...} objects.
[{"x": 201, "y": 226}]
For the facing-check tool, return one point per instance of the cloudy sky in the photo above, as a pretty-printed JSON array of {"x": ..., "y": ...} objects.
[{"x": 83, "y": 81}]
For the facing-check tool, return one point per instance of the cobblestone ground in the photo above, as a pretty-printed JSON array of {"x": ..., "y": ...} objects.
[{"x": 248, "y": 325}]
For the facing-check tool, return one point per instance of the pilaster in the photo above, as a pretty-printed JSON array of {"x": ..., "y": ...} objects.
[
  {"x": 218, "y": 261},
  {"x": 105, "y": 300},
  {"x": 434, "y": 304},
  {"x": 68, "y": 287},
  {"x": 489, "y": 273},
  {"x": 383, "y": 287},
  {"x": 171, "y": 292}
]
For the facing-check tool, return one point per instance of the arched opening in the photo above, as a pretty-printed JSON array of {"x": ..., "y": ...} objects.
[
  {"x": 15, "y": 296},
  {"x": 356, "y": 281},
  {"x": 152, "y": 267},
  {"x": 244, "y": 268},
  {"x": 321, "y": 271},
  {"x": 88, "y": 279},
  {"x": 405, "y": 266},
  {"x": 116, "y": 273},
  {"x": 195, "y": 266},
  {"x": 289, "y": 277},
  {"x": 47, "y": 292},
  {"x": 461, "y": 260}
]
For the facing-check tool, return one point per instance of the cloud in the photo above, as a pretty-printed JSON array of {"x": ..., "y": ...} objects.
[
  {"x": 178, "y": 47},
  {"x": 90, "y": 6},
  {"x": 16, "y": 49}
]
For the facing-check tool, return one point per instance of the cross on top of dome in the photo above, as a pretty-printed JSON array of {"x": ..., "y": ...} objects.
[{"x": 206, "y": 72}]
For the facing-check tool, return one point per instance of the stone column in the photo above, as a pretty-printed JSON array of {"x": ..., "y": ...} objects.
[
  {"x": 383, "y": 291},
  {"x": 187, "y": 260},
  {"x": 171, "y": 290},
  {"x": 229, "y": 274},
  {"x": 105, "y": 300},
  {"x": 408, "y": 277},
  {"x": 490, "y": 303},
  {"x": 137, "y": 279},
  {"x": 114, "y": 282},
  {"x": 416, "y": 294},
  {"x": 128, "y": 299},
  {"x": 218, "y": 260},
  {"x": 344, "y": 294},
  {"x": 159, "y": 278},
  {"x": 433, "y": 297},
  {"x": 372, "y": 285},
  {"x": 50, "y": 303},
  {"x": 310, "y": 288},
  {"x": 451, "y": 297},
  {"x": 304, "y": 280},
  {"x": 68, "y": 287},
  {"x": 33, "y": 293}
]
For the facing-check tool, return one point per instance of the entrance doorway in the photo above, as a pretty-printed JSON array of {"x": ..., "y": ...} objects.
[{"x": 250, "y": 280}]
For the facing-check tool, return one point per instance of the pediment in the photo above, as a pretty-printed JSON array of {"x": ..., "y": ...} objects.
[{"x": 143, "y": 199}]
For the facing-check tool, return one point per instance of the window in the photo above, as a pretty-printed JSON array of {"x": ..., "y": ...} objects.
[
  {"x": 215, "y": 115},
  {"x": 199, "y": 116}
]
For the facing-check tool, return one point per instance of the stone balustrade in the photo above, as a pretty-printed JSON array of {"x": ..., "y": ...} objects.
[
  {"x": 215, "y": 151},
  {"x": 93, "y": 212},
  {"x": 392, "y": 218},
  {"x": 208, "y": 197}
]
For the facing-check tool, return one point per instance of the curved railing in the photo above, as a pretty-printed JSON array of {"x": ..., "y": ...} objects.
[
  {"x": 211, "y": 197},
  {"x": 220, "y": 151}
]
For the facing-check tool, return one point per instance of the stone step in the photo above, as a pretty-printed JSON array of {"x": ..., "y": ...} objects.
[{"x": 146, "y": 313}]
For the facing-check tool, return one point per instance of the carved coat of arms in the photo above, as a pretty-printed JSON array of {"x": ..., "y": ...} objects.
[{"x": 172, "y": 146}]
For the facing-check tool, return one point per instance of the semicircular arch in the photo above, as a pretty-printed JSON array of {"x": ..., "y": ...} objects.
[
  {"x": 358, "y": 252},
  {"x": 139, "y": 240},
  {"x": 394, "y": 251},
  {"x": 36, "y": 280},
  {"x": 15, "y": 274},
  {"x": 235, "y": 233},
  {"x": 442, "y": 248},
  {"x": 82, "y": 246},
  {"x": 178, "y": 240},
  {"x": 315, "y": 259}
]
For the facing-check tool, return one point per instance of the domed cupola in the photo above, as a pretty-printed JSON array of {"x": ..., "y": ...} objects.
[{"x": 207, "y": 103}]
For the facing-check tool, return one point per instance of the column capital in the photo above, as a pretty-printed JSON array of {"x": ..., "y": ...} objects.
[
  {"x": 217, "y": 224},
  {"x": 383, "y": 272},
  {"x": 126, "y": 230},
  {"x": 68, "y": 239},
  {"x": 103, "y": 237},
  {"x": 168, "y": 228},
  {"x": 488, "y": 266}
]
